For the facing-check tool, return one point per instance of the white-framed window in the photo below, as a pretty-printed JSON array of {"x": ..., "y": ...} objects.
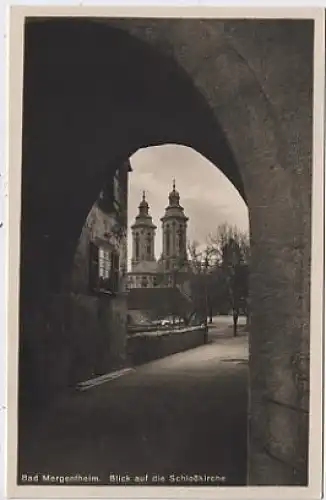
[
  {"x": 104, "y": 268},
  {"x": 104, "y": 262}
]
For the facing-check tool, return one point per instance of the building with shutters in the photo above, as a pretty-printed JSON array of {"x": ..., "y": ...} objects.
[
  {"x": 99, "y": 278},
  {"x": 100, "y": 263}
]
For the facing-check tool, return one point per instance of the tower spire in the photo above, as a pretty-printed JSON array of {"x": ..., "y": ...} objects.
[
  {"x": 143, "y": 206},
  {"x": 143, "y": 234},
  {"x": 174, "y": 196},
  {"x": 174, "y": 229}
]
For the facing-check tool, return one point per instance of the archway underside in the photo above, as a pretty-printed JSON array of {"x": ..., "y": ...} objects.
[{"x": 97, "y": 96}]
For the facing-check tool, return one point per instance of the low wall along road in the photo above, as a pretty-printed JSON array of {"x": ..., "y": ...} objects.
[{"x": 147, "y": 346}]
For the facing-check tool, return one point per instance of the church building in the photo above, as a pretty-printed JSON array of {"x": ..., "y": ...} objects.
[{"x": 171, "y": 268}]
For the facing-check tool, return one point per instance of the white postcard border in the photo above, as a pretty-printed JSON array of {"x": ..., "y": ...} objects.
[{"x": 12, "y": 225}]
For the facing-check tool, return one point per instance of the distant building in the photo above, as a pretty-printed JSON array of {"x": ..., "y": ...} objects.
[
  {"x": 149, "y": 304},
  {"x": 159, "y": 288},
  {"x": 144, "y": 267},
  {"x": 174, "y": 229},
  {"x": 172, "y": 267}
]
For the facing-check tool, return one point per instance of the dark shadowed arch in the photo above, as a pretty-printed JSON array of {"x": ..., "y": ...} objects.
[{"x": 92, "y": 97}]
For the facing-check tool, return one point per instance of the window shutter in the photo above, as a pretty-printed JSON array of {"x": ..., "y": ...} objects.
[
  {"x": 114, "y": 271},
  {"x": 93, "y": 266}
]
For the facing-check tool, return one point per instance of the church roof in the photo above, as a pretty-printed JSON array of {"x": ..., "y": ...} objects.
[
  {"x": 161, "y": 300},
  {"x": 145, "y": 266}
]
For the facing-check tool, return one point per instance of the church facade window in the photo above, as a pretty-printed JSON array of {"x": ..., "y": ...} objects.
[
  {"x": 181, "y": 241},
  {"x": 149, "y": 246},
  {"x": 137, "y": 246},
  {"x": 168, "y": 241}
]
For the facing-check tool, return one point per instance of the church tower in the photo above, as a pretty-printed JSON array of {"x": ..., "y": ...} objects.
[
  {"x": 143, "y": 236},
  {"x": 174, "y": 230}
]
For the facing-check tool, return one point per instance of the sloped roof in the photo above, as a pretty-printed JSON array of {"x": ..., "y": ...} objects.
[
  {"x": 145, "y": 266},
  {"x": 161, "y": 300}
]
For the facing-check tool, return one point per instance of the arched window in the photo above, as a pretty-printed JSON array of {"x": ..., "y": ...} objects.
[
  {"x": 181, "y": 240},
  {"x": 167, "y": 240},
  {"x": 137, "y": 246},
  {"x": 149, "y": 245}
]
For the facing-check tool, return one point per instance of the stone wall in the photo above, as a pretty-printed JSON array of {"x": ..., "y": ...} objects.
[
  {"x": 76, "y": 337},
  {"x": 144, "y": 347}
]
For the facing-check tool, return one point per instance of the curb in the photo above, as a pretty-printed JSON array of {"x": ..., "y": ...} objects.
[{"x": 88, "y": 384}]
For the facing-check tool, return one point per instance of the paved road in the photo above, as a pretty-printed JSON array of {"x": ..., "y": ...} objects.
[{"x": 184, "y": 414}]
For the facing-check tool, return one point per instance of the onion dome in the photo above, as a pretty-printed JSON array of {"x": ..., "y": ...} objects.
[
  {"x": 143, "y": 206},
  {"x": 174, "y": 196},
  {"x": 143, "y": 219}
]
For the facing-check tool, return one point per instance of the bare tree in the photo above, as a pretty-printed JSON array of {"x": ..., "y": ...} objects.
[
  {"x": 232, "y": 252},
  {"x": 200, "y": 259},
  {"x": 201, "y": 264}
]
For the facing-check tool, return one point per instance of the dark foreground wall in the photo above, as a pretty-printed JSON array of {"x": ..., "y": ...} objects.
[
  {"x": 77, "y": 337},
  {"x": 143, "y": 347}
]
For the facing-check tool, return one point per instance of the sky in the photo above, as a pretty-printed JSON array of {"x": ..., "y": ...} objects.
[{"x": 207, "y": 196}]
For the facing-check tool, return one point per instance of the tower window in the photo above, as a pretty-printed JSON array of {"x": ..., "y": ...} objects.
[
  {"x": 181, "y": 241},
  {"x": 167, "y": 241},
  {"x": 137, "y": 246},
  {"x": 149, "y": 246}
]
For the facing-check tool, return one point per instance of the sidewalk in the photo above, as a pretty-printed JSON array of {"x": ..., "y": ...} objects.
[{"x": 183, "y": 413}]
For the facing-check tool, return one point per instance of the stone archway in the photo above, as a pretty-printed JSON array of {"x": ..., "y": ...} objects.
[{"x": 96, "y": 93}]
